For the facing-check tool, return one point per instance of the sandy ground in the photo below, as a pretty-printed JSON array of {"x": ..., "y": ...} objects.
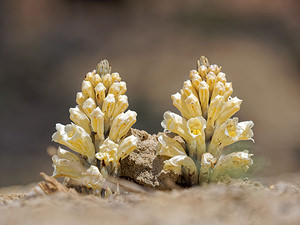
[{"x": 271, "y": 201}]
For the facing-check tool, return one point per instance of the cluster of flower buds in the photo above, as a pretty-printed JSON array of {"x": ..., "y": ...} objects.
[
  {"x": 98, "y": 134},
  {"x": 205, "y": 124}
]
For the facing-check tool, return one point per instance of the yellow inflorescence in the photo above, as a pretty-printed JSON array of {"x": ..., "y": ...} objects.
[
  {"x": 99, "y": 131},
  {"x": 206, "y": 126}
]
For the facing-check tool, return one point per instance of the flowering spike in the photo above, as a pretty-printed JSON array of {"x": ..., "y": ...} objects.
[
  {"x": 99, "y": 135},
  {"x": 206, "y": 127}
]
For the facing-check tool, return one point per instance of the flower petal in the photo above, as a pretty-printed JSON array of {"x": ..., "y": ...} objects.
[
  {"x": 80, "y": 118},
  {"x": 207, "y": 164},
  {"x": 121, "y": 125},
  {"x": 182, "y": 165},
  {"x": 88, "y": 89},
  {"x": 229, "y": 109},
  {"x": 76, "y": 138},
  {"x": 127, "y": 146},
  {"x": 97, "y": 123},
  {"x": 168, "y": 146}
]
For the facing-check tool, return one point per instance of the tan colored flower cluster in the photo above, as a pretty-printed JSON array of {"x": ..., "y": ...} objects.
[
  {"x": 205, "y": 124},
  {"x": 98, "y": 134}
]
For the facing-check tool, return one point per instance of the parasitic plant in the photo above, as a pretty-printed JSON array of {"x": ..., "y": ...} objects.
[
  {"x": 98, "y": 135},
  {"x": 206, "y": 126}
]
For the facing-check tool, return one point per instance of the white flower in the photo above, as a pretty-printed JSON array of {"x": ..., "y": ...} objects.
[
  {"x": 229, "y": 109},
  {"x": 80, "y": 99},
  {"x": 228, "y": 90},
  {"x": 214, "y": 110},
  {"x": 195, "y": 78},
  {"x": 182, "y": 165},
  {"x": 179, "y": 103},
  {"x": 67, "y": 164},
  {"x": 211, "y": 80},
  {"x": 204, "y": 97},
  {"x": 196, "y": 145},
  {"x": 92, "y": 178},
  {"x": 80, "y": 118},
  {"x": 179, "y": 162},
  {"x": 193, "y": 105},
  {"x": 232, "y": 164},
  {"x": 121, "y": 125},
  {"x": 100, "y": 94},
  {"x": 117, "y": 88},
  {"x": 121, "y": 105},
  {"x": 207, "y": 164},
  {"x": 168, "y": 146},
  {"x": 76, "y": 138},
  {"x": 126, "y": 146},
  {"x": 108, "y": 152},
  {"x": 97, "y": 123},
  {"x": 229, "y": 132},
  {"x": 88, "y": 89},
  {"x": 107, "y": 80},
  {"x": 219, "y": 89},
  {"x": 88, "y": 106},
  {"x": 108, "y": 105},
  {"x": 115, "y": 77},
  {"x": 189, "y": 89},
  {"x": 175, "y": 124}
]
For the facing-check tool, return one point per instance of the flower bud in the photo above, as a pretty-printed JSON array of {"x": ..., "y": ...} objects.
[
  {"x": 80, "y": 118},
  {"x": 193, "y": 105},
  {"x": 127, "y": 146},
  {"x": 97, "y": 122},
  {"x": 88, "y": 89},
  {"x": 117, "y": 88},
  {"x": 109, "y": 105},
  {"x": 168, "y": 146},
  {"x": 121, "y": 125},
  {"x": 204, "y": 97},
  {"x": 121, "y": 105},
  {"x": 229, "y": 109},
  {"x": 100, "y": 94},
  {"x": 80, "y": 99},
  {"x": 76, "y": 138},
  {"x": 88, "y": 106}
]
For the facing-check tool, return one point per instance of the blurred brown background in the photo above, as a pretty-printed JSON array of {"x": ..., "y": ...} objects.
[{"x": 47, "y": 46}]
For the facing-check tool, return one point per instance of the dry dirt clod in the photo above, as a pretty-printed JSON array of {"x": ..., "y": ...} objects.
[{"x": 143, "y": 165}]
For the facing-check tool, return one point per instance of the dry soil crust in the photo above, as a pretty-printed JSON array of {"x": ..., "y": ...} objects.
[
  {"x": 236, "y": 203},
  {"x": 144, "y": 167}
]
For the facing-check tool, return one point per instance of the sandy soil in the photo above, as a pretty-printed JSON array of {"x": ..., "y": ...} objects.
[
  {"x": 277, "y": 201},
  {"x": 272, "y": 200}
]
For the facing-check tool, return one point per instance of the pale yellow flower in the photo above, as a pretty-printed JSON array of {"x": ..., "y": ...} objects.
[
  {"x": 76, "y": 138},
  {"x": 99, "y": 134},
  {"x": 80, "y": 118},
  {"x": 206, "y": 108},
  {"x": 232, "y": 164}
]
